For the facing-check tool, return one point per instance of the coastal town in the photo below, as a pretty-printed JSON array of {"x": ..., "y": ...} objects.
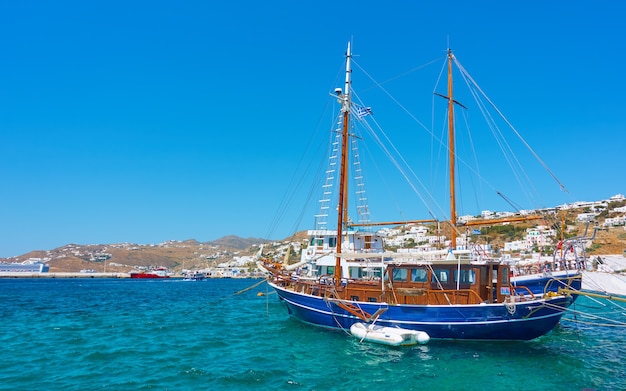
[{"x": 234, "y": 257}]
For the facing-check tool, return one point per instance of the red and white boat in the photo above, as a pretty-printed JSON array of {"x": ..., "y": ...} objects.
[{"x": 159, "y": 272}]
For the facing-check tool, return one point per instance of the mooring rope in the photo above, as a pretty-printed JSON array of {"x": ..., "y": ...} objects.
[
  {"x": 240, "y": 292},
  {"x": 613, "y": 322},
  {"x": 250, "y": 287}
]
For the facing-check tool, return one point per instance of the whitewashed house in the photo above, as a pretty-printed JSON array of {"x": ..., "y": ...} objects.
[{"x": 516, "y": 245}]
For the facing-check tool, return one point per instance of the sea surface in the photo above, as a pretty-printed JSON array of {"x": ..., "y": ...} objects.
[{"x": 122, "y": 334}]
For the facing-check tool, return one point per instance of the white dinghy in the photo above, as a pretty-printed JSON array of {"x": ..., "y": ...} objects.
[{"x": 393, "y": 336}]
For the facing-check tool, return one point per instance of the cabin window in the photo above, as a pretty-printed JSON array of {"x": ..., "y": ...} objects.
[
  {"x": 505, "y": 276},
  {"x": 371, "y": 299},
  {"x": 400, "y": 274},
  {"x": 330, "y": 270},
  {"x": 419, "y": 275},
  {"x": 372, "y": 273},
  {"x": 319, "y": 242},
  {"x": 355, "y": 272},
  {"x": 441, "y": 275},
  {"x": 467, "y": 276},
  {"x": 354, "y": 298},
  {"x": 332, "y": 242}
]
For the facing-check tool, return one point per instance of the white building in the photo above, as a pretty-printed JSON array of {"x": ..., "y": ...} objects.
[
  {"x": 486, "y": 214},
  {"x": 537, "y": 236},
  {"x": 614, "y": 221},
  {"x": 516, "y": 245},
  {"x": 586, "y": 216},
  {"x": 465, "y": 218},
  {"x": 504, "y": 214}
]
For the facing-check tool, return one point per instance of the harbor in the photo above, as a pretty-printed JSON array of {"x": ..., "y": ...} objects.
[
  {"x": 50, "y": 275},
  {"x": 296, "y": 196},
  {"x": 62, "y": 275}
]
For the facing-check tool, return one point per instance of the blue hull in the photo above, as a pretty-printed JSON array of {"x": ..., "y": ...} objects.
[{"x": 521, "y": 321}]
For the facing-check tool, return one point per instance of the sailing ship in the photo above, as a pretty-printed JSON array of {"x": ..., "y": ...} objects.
[{"x": 346, "y": 277}]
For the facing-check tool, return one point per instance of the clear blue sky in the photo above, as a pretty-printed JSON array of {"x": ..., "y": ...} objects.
[{"x": 145, "y": 121}]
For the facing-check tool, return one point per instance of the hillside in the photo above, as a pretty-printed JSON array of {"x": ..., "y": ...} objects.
[
  {"x": 191, "y": 254},
  {"x": 124, "y": 257}
]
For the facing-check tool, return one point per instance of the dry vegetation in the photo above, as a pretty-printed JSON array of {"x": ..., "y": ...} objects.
[
  {"x": 191, "y": 254},
  {"x": 174, "y": 255}
]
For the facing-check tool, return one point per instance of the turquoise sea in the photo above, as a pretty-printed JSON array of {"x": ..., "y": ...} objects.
[{"x": 122, "y": 334}]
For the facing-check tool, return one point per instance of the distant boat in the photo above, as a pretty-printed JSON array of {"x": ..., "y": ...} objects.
[
  {"x": 346, "y": 277},
  {"x": 159, "y": 272},
  {"x": 29, "y": 266},
  {"x": 194, "y": 277}
]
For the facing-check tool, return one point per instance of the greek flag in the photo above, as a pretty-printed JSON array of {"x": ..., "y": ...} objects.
[
  {"x": 475, "y": 232},
  {"x": 363, "y": 111}
]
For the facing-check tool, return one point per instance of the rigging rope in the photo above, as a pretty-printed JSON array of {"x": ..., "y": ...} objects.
[
  {"x": 301, "y": 173},
  {"x": 613, "y": 322},
  {"x": 395, "y": 162},
  {"x": 434, "y": 137},
  {"x": 462, "y": 69}
]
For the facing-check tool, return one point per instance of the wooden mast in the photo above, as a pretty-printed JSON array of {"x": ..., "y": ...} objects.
[
  {"x": 451, "y": 158},
  {"x": 342, "y": 207},
  {"x": 451, "y": 152}
]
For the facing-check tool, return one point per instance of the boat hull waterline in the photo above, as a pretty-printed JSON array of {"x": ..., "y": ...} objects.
[{"x": 528, "y": 320}]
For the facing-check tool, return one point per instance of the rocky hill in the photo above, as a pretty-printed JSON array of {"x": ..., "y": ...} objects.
[
  {"x": 191, "y": 254},
  {"x": 125, "y": 257}
]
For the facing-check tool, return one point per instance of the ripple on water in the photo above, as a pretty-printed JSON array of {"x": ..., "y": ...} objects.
[{"x": 123, "y": 334}]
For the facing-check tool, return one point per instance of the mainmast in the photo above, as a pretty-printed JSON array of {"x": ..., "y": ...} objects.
[
  {"x": 342, "y": 208},
  {"x": 451, "y": 152}
]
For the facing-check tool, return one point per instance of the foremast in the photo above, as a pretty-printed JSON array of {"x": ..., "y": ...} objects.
[{"x": 342, "y": 208}]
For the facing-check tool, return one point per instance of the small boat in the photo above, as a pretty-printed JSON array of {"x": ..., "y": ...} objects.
[
  {"x": 29, "y": 266},
  {"x": 194, "y": 277},
  {"x": 393, "y": 336},
  {"x": 159, "y": 272}
]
